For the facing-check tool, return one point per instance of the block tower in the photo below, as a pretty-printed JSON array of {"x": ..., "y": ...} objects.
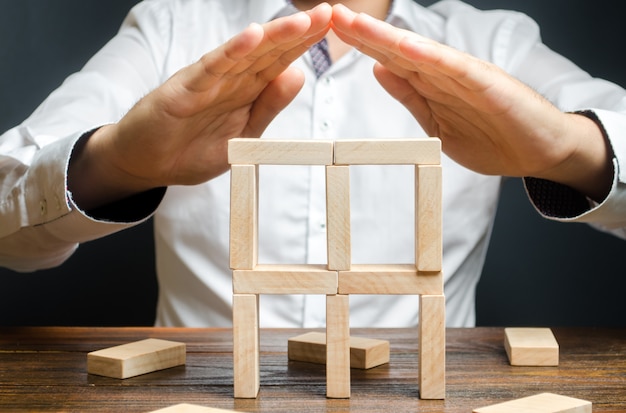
[{"x": 339, "y": 278}]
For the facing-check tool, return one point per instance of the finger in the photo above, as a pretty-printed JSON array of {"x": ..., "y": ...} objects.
[
  {"x": 283, "y": 54},
  {"x": 286, "y": 33},
  {"x": 272, "y": 100},
  {"x": 373, "y": 37}
]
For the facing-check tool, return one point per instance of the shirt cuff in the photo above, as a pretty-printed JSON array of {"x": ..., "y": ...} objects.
[
  {"x": 562, "y": 203},
  {"x": 77, "y": 225}
]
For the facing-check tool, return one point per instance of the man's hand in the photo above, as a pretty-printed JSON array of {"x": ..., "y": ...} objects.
[
  {"x": 487, "y": 120},
  {"x": 178, "y": 134}
]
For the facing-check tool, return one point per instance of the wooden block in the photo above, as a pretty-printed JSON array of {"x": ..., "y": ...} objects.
[
  {"x": 425, "y": 151},
  {"x": 428, "y": 218},
  {"x": 531, "y": 347},
  {"x": 337, "y": 346},
  {"x": 338, "y": 217},
  {"x": 252, "y": 151},
  {"x": 365, "y": 353},
  {"x": 190, "y": 408},
  {"x": 432, "y": 347},
  {"x": 389, "y": 279},
  {"x": 246, "y": 345},
  {"x": 540, "y": 403},
  {"x": 133, "y": 359},
  {"x": 285, "y": 279},
  {"x": 244, "y": 211}
]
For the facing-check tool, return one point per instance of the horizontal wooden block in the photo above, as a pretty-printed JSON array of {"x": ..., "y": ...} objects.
[
  {"x": 425, "y": 151},
  {"x": 365, "y": 353},
  {"x": 389, "y": 279},
  {"x": 252, "y": 151},
  {"x": 531, "y": 347},
  {"x": 190, "y": 408},
  {"x": 285, "y": 279},
  {"x": 133, "y": 359},
  {"x": 540, "y": 403}
]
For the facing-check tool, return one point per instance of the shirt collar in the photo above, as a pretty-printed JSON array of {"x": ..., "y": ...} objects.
[{"x": 405, "y": 14}]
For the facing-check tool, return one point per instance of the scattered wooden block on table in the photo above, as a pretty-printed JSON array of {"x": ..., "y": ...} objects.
[
  {"x": 540, "y": 403},
  {"x": 531, "y": 347},
  {"x": 134, "y": 359},
  {"x": 365, "y": 353},
  {"x": 190, "y": 408}
]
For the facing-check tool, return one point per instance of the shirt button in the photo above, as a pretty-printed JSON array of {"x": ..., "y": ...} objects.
[{"x": 325, "y": 125}]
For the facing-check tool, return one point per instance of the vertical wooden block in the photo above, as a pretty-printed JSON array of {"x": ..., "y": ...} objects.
[
  {"x": 531, "y": 347},
  {"x": 428, "y": 218},
  {"x": 244, "y": 216},
  {"x": 432, "y": 347},
  {"x": 246, "y": 345},
  {"x": 540, "y": 403},
  {"x": 338, "y": 217},
  {"x": 337, "y": 346},
  {"x": 133, "y": 359}
]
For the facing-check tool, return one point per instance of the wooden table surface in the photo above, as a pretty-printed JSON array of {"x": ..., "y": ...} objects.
[{"x": 44, "y": 369}]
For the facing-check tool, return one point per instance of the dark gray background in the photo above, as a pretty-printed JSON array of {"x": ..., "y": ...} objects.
[{"x": 537, "y": 273}]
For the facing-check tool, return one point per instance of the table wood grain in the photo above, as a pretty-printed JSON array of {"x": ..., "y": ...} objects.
[{"x": 44, "y": 369}]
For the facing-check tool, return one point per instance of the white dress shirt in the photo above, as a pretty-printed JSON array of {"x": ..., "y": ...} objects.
[{"x": 40, "y": 226}]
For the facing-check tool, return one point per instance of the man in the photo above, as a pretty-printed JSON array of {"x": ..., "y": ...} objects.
[{"x": 257, "y": 84}]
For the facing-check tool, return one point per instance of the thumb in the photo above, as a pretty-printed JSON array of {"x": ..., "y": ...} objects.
[
  {"x": 272, "y": 100},
  {"x": 404, "y": 92}
]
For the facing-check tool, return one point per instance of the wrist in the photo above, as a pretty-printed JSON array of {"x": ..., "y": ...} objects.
[
  {"x": 589, "y": 167},
  {"x": 93, "y": 180}
]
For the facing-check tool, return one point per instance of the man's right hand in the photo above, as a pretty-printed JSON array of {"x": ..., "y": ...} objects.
[{"x": 178, "y": 134}]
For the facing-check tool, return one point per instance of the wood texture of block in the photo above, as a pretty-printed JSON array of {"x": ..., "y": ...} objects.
[
  {"x": 540, "y": 403},
  {"x": 425, "y": 151},
  {"x": 338, "y": 217},
  {"x": 134, "y": 359},
  {"x": 190, "y": 408},
  {"x": 285, "y": 279},
  {"x": 246, "y": 345},
  {"x": 251, "y": 151},
  {"x": 244, "y": 216},
  {"x": 432, "y": 347},
  {"x": 389, "y": 279},
  {"x": 365, "y": 353},
  {"x": 337, "y": 346},
  {"x": 531, "y": 347},
  {"x": 428, "y": 218}
]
